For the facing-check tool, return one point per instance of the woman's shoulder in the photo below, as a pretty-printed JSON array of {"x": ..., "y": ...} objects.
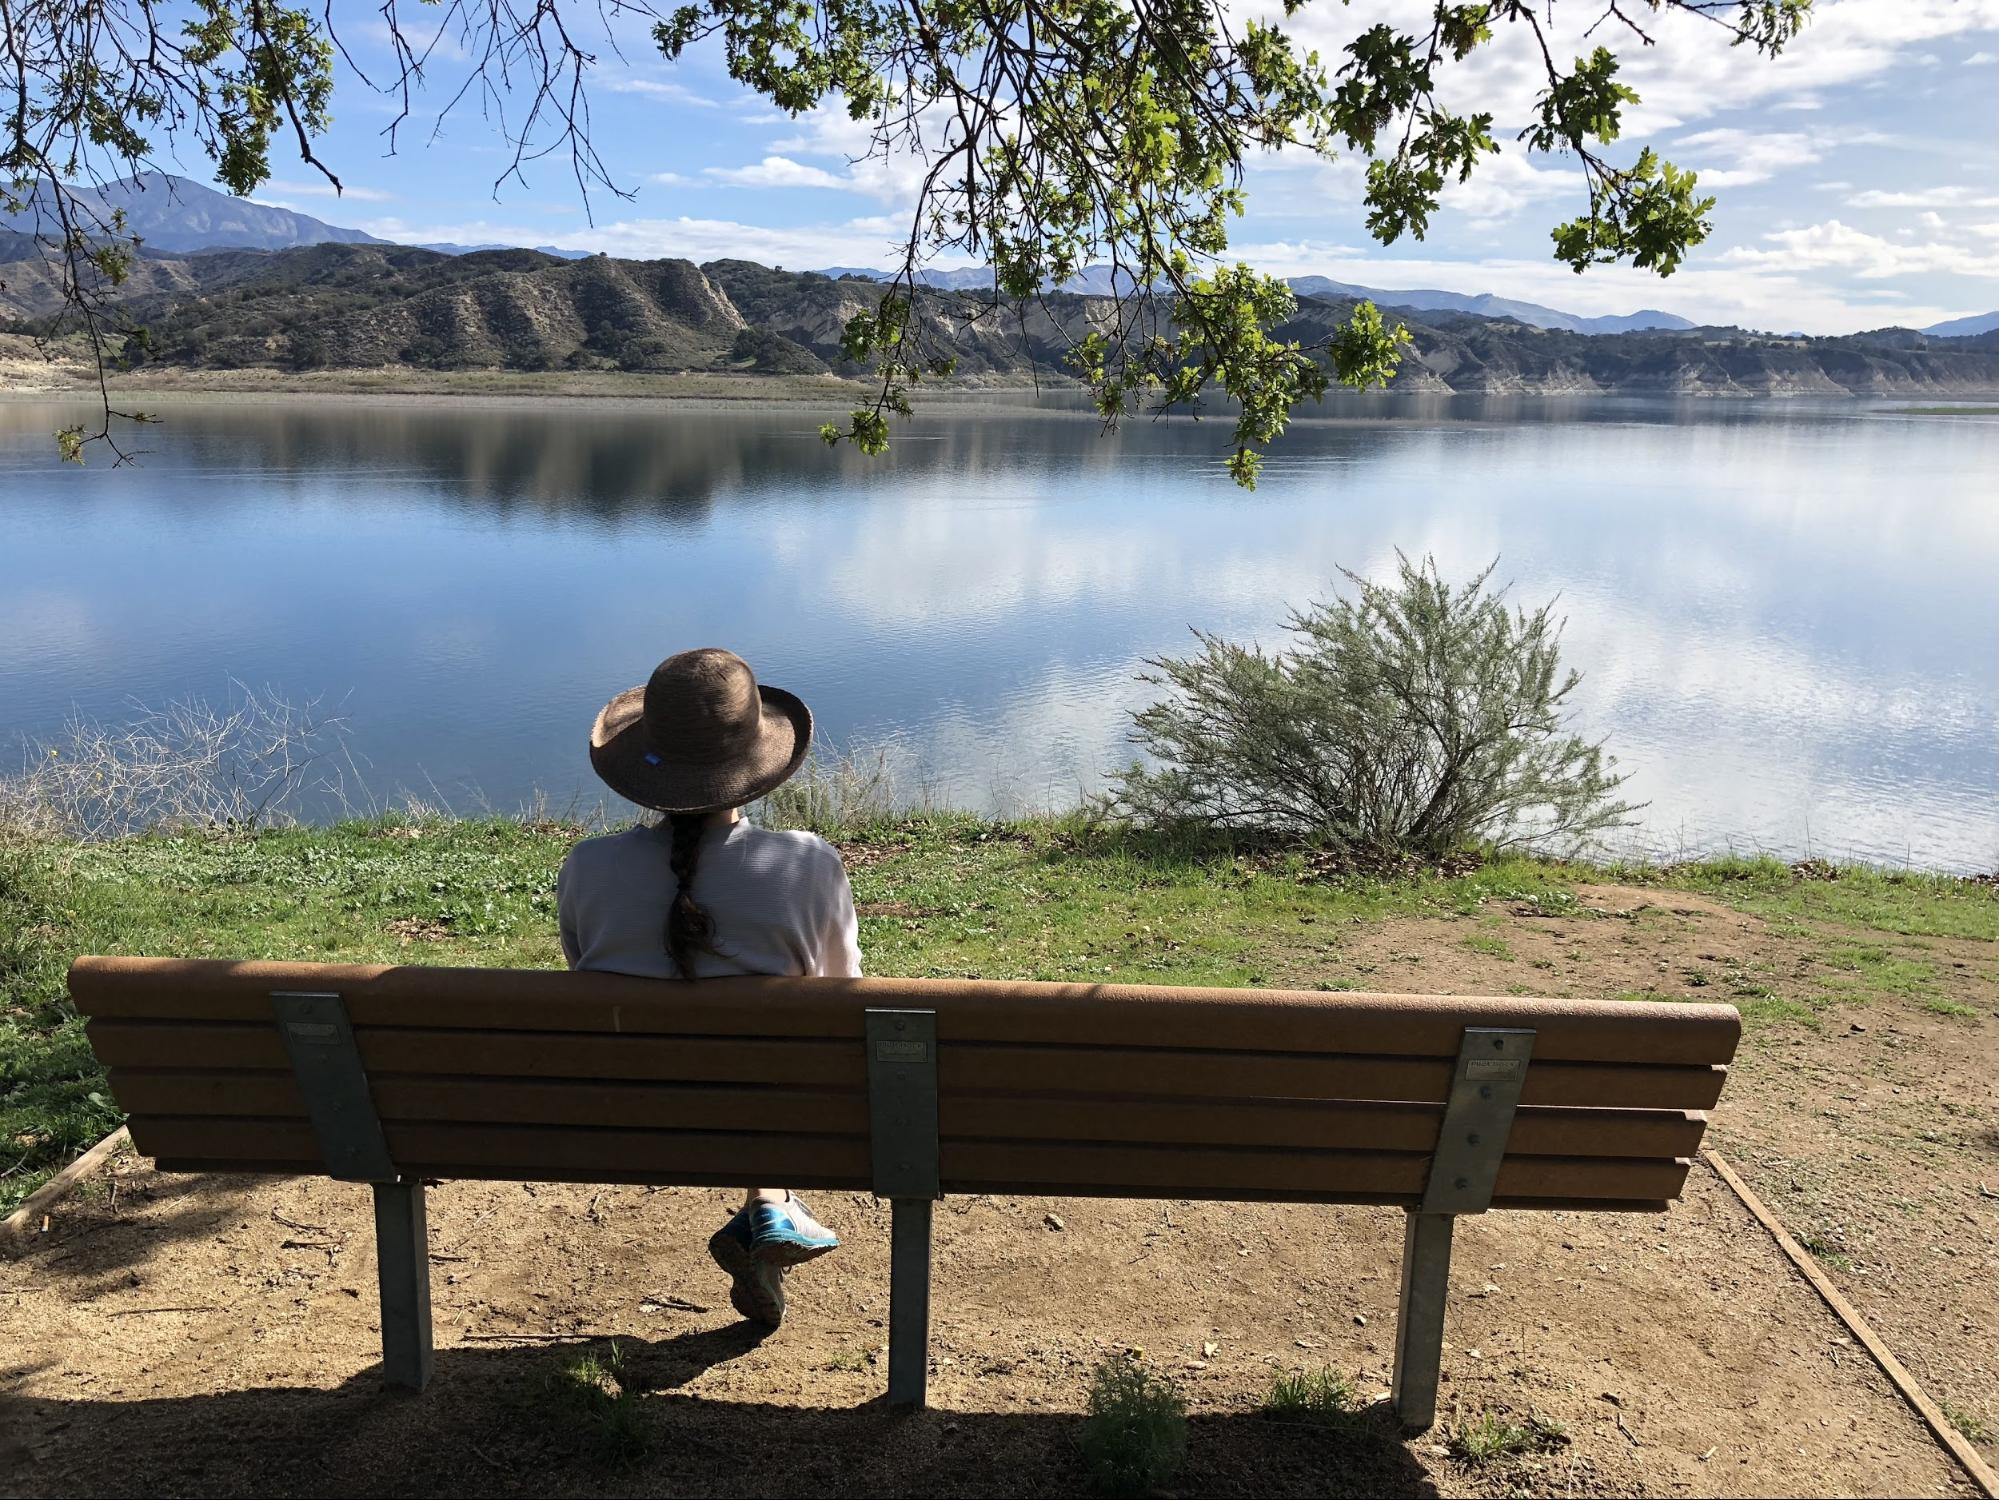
[
  {"x": 609, "y": 848},
  {"x": 793, "y": 846}
]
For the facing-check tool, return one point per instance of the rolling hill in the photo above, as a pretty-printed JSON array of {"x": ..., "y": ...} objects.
[
  {"x": 374, "y": 305},
  {"x": 1099, "y": 281}
]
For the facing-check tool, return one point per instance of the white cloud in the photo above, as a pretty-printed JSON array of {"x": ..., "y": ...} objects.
[
  {"x": 834, "y": 135},
  {"x": 1979, "y": 59},
  {"x": 1691, "y": 73},
  {"x": 324, "y": 189},
  {"x": 1833, "y": 246},
  {"x": 1988, "y": 231},
  {"x": 1500, "y": 188},
  {"x": 854, "y": 242},
  {"x": 1931, "y": 197},
  {"x": 1745, "y": 156},
  {"x": 1505, "y": 184},
  {"x": 1932, "y": 220},
  {"x": 672, "y": 179},
  {"x": 778, "y": 172},
  {"x": 654, "y": 88}
]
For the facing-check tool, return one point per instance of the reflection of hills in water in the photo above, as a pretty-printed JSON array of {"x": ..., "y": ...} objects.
[
  {"x": 619, "y": 462},
  {"x": 570, "y": 460},
  {"x": 580, "y": 460}
]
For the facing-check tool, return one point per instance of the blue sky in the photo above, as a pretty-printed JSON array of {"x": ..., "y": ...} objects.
[{"x": 1858, "y": 175}]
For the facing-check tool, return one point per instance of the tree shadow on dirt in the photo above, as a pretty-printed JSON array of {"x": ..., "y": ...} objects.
[
  {"x": 99, "y": 1241},
  {"x": 510, "y": 1421}
]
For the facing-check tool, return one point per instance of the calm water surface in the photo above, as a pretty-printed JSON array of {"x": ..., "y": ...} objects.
[{"x": 1787, "y": 614}]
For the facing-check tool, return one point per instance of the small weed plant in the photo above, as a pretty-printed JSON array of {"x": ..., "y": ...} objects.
[
  {"x": 1494, "y": 1438},
  {"x": 594, "y": 1399},
  {"x": 1135, "y": 1435},
  {"x": 1319, "y": 1398}
]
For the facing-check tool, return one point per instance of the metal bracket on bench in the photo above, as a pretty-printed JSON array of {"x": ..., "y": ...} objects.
[
  {"x": 902, "y": 1102},
  {"x": 1478, "y": 1117},
  {"x": 328, "y": 1067},
  {"x": 1471, "y": 1145},
  {"x": 335, "y": 1085},
  {"x": 902, "y": 1140}
]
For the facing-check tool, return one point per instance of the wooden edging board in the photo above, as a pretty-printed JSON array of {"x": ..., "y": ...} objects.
[
  {"x": 1980, "y": 1472},
  {"x": 19, "y": 1226}
]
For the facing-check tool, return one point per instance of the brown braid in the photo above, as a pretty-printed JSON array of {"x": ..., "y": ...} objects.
[{"x": 689, "y": 929}]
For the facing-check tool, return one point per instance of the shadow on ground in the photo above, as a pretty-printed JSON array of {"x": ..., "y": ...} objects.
[{"x": 520, "y": 1420}]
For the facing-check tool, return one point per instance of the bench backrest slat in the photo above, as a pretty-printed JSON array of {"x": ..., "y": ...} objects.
[
  {"x": 1103, "y": 1091},
  {"x": 820, "y": 1063},
  {"x": 1390, "y": 1125},
  {"x": 968, "y": 1010}
]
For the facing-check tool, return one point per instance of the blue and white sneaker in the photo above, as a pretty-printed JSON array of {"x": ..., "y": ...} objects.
[
  {"x": 786, "y": 1234},
  {"x": 756, "y": 1288}
]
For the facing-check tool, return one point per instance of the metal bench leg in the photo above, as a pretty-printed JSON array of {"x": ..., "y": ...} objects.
[
  {"x": 402, "y": 1255},
  {"x": 908, "y": 1301},
  {"x": 1419, "y": 1322}
]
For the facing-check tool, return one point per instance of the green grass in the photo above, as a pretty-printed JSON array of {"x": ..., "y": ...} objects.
[
  {"x": 1953, "y": 1008},
  {"x": 1965, "y": 1422},
  {"x": 940, "y": 895},
  {"x": 1875, "y": 969},
  {"x": 1134, "y": 1437},
  {"x": 1493, "y": 1439},
  {"x": 471, "y": 893},
  {"x": 1911, "y": 903},
  {"x": 1826, "y": 1251},
  {"x": 1770, "y": 1010},
  {"x": 593, "y": 1401},
  {"x": 1320, "y": 1398}
]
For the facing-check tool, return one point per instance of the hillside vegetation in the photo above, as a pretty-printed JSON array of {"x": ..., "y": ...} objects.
[{"x": 360, "y": 307}]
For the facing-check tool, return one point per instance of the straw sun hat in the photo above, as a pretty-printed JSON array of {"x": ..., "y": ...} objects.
[{"x": 702, "y": 734}]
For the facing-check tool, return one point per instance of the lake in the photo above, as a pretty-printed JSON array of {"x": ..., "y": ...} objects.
[{"x": 1786, "y": 613}]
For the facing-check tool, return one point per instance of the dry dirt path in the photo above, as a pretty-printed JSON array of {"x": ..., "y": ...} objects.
[{"x": 185, "y": 1335}]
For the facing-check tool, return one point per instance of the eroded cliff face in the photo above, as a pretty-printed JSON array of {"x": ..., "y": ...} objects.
[{"x": 366, "y": 306}]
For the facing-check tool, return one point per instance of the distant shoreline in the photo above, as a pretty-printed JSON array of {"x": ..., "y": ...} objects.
[{"x": 26, "y": 377}]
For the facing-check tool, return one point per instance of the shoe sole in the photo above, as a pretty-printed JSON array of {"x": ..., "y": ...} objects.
[
  {"x": 782, "y": 1250},
  {"x": 754, "y": 1291}
]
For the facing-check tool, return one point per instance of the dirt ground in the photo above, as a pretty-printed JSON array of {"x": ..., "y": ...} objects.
[{"x": 187, "y": 1335}]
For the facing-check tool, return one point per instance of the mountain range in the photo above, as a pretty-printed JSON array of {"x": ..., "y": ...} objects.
[
  {"x": 370, "y": 306},
  {"x": 1101, "y": 281},
  {"x": 1959, "y": 328},
  {"x": 176, "y": 215},
  {"x": 181, "y": 224}
]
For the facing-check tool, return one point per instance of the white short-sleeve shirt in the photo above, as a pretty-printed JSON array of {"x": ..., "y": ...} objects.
[{"x": 780, "y": 903}]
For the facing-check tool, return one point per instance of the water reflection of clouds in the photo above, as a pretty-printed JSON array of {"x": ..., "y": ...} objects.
[
  {"x": 40, "y": 625},
  {"x": 1784, "y": 614},
  {"x": 1733, "y": 735}
]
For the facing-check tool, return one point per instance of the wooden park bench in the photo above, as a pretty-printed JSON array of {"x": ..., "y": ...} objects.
[{"x": 910, "y": 1088}]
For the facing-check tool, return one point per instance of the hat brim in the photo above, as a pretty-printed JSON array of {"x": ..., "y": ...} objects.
[{"x": 620, "y": 755}]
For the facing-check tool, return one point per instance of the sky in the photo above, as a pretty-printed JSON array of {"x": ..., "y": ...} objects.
[{"x": 1858, "y": 175}]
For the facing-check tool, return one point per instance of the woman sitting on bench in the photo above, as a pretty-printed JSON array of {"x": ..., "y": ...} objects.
[{"x": 702, "y": 893}]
